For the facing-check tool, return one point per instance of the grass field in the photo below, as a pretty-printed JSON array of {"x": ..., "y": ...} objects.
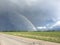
[{"x": 47, "y": 36}]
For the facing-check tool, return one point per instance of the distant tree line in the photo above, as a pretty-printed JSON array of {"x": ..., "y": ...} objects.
[{"x": 28, "y": 31}]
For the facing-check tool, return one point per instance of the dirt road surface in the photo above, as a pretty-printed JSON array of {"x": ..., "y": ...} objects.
[{"x": 15, "y": 40}]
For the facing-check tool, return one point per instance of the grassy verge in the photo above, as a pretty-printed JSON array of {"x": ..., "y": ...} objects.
[{"x": 47, "y": 36}]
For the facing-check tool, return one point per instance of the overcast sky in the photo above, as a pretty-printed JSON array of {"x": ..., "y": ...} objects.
[{"x": 40, "y": 14}]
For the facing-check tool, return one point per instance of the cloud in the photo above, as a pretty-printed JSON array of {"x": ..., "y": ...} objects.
[
  {"x": 55, "y": 24},
  {"x": 39, "y": 12},
  {"x": 50, "y": 26},
  {"x": 43, "y": 27}
]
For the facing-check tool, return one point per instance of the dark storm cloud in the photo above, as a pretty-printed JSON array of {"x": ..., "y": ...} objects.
[
  {"x": 12, "y": 19},
  {"x": 39, "y": 12}
]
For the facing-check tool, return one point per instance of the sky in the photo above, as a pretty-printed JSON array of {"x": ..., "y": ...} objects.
[{"x": 29, "y": 14}]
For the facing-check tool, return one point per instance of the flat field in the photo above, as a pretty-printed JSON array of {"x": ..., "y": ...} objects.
[{"x": 47, "y": 36}]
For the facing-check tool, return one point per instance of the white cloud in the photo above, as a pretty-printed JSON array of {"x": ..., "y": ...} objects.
[
  {"x": 56, "y": 24},
  {"x": 43, "y": 27}
]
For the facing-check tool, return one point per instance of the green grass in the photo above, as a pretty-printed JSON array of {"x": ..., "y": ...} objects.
[{"x": 47, "y": 36}]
